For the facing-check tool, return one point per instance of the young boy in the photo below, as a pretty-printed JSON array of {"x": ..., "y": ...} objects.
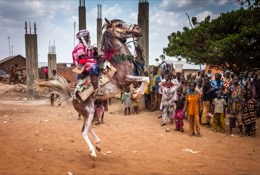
[
  {"x": 127, "y": 100},
  {"x": 168, "y": 96},
  {"x": 178, "y": 117},
  {"x": 249, "y": 115},
  {"x": 192, "y": 106},
  {"x": 219, "y": 104},
  {"x": 135, "y": 98},
  {"x": 54, "y": 96}
]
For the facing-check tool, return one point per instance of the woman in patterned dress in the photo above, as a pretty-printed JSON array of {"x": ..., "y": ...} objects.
[{"x": 249, "y": 114}]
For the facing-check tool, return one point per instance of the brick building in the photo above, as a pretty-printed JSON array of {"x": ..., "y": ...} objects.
[
  {"x": 63, "y": 69},
  {"x": 7, "y": 63}
]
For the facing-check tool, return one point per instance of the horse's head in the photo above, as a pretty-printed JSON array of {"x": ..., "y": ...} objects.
[{"x": 121, "y": 30}]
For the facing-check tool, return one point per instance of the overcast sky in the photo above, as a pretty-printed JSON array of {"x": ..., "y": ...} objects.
[{"x": 55, "y": 18}]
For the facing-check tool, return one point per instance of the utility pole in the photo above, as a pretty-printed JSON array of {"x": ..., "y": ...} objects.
[
  {"x": 12, "y": 50},
  {"x": 9, "y": 46}
]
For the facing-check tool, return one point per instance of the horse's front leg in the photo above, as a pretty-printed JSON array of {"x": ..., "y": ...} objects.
[
  {"x": 145, "y": 81},
  {"x": 86, "y": 128}
]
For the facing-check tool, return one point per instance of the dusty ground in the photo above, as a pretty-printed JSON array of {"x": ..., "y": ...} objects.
[{"x": 36, "y": 138}]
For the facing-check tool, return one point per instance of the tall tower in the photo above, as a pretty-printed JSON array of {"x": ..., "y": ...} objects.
[
  {"x": 82, "y": 15},
  {"x": 99, "y": 26},
  {"x": 31, "y": 50},
  {"x": 143, "y": 23}
]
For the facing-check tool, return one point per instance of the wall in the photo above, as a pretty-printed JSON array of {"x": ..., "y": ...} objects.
[{"x": 66, "y": 72}]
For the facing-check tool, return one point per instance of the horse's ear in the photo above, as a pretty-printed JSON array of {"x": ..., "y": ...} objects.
[{"x": 108, "y": 22}]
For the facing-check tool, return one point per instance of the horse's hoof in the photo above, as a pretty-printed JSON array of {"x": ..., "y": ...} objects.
[
  {"x": 93, "y": 156},
  {"x": 98, "y": 148}
]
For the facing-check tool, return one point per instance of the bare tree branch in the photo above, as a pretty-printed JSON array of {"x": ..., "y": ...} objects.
[{"x": 189, "y": 20}]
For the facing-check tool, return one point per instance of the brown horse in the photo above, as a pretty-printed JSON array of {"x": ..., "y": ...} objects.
[{"x": 113, "y": 40}]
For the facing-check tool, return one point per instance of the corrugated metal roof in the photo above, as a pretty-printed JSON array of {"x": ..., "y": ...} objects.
[
  {"x": 9, "y": 58},
  {"x": 186, "y": 66}
]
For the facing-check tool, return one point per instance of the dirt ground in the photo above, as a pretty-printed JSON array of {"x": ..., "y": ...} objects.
[{"x": 36, "y": 138}]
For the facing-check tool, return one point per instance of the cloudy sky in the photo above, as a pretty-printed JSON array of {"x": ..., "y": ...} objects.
[{"x": 55, "y": 19}]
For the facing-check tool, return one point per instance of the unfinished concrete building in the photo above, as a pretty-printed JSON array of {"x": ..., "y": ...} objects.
[
  {"x": 31, "y": 50},
  {"x": 82, "y": 15},
  {"x": 143, "y": 23}
]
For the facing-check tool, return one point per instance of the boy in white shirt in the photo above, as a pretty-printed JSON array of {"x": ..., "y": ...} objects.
[{"x": 219, "y": 104}]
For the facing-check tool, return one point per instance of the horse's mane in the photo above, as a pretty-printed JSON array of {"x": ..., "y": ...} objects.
[
  {"x": 106, "y": 42},
  {"x": 107, "y": 25}
]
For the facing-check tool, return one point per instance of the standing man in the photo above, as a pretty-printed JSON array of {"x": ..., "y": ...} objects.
[
  {"x": 155, "y": 80},
  {"x": 235, "y": 102},
  {"x": 168, "y": 91},
  {"x": 16, "y": 74},
  {"x": 226, "y": 80},
  {"x": 207, "y": 97}
]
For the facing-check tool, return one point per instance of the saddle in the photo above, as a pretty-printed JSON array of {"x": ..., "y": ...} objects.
[{"x": 84, "y": 87}]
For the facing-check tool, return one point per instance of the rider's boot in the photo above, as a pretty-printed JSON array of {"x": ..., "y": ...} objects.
[{"x": 94, "y": 81}]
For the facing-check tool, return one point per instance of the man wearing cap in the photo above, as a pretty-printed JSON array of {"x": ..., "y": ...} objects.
[
  {"x": 226, "y": 79},
  {"x": 84, "y": 57}
]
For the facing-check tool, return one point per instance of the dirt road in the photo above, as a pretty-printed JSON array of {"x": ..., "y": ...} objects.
[{"x": 37, "y": 138}]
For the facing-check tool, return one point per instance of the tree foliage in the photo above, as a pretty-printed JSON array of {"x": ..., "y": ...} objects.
[{"x": 232, "y": 41}]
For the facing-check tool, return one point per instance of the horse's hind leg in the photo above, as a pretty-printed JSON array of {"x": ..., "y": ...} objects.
[
  {"x": 87, "y": 126},
  {"x": 145, "y": 81},
  {"x": 96, "y": 138}
]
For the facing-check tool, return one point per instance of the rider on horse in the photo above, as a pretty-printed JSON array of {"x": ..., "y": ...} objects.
[{"x": 84, "y": 57}]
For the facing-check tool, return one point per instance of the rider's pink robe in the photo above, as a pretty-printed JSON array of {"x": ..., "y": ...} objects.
[{"x": 88, "y": 60}]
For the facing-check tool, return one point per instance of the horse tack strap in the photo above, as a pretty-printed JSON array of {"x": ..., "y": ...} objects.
[{"x": 114, "y": 29}]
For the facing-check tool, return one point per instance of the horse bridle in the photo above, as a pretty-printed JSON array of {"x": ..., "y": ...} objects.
[{"x": 124, "y": 31}]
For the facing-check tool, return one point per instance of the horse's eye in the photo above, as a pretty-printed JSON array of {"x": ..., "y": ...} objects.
[{"x": 119, "y": 25}]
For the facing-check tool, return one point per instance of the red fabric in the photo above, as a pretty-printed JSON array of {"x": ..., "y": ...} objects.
[
  {"x": 109, "y": 54},
  {"x": 82, "y": 61}
]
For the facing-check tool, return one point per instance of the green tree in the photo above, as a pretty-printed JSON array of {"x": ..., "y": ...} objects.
[{"x": 232, "y": 41}]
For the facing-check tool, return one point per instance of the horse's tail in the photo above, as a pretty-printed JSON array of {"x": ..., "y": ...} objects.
[{"x": 60, "y": 86}]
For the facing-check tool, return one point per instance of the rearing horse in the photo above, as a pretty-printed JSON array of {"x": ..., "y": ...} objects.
[{"x": 113, "y": 41}]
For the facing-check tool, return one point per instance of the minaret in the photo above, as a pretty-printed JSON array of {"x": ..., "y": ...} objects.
[
  {"x": 82, "y": 15},
  {"x": 99, "y": 26},
  {"x": 143, "y": 23}
]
